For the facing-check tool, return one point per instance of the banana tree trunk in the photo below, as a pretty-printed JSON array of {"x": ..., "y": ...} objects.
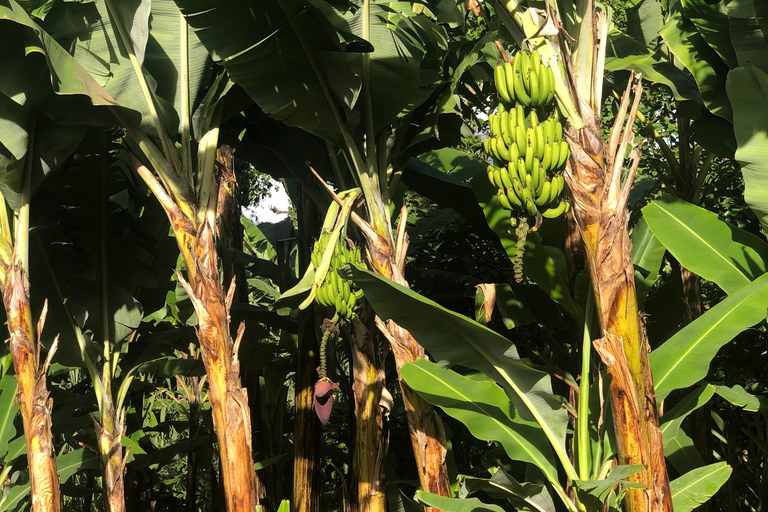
[
  {"x": 109, "y": 434},
  {"x": 306, "y": 424},
  {"x": 594, "y": 175},
  {"x": 33, "y": 396},
  {"x": 368, "y": 385},
  {"x": 425, "y": 428},
  {"x": 229, "y": 231},
  {"x": 34, "y": 401},
  {"x": 229, "y": 400}
]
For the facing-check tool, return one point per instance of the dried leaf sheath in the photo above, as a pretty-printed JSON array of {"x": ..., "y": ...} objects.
[
  {"x": 229, "y": 400},
  {"x": 594, "y": 175},
  {"x": 32, "y": 391}
]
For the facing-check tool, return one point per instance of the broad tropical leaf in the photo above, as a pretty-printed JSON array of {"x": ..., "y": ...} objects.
[
  {"x": 711, "y": 21},
  {"x": 702, "y": 61},
  {"x": 748, "y": 89},
  {"x": 455, "y": 504},
  {"x": 678, "y": 447},
  {"x": 647, "y": 255},
  {"x": 601, "y": 489},
  {"x": 697, "y": 486},
  {"x": 684, "y": 359},
  {"x": 706, "y": 245},
  {"x": 625, "y": 53},
  {"x": 474, "y": 346},
  {"x": 486, "y": 411},
  {"x": 739, "y": 397},
  {"x": 746, "y": 20},
  {"x": 522, "y": 496}
]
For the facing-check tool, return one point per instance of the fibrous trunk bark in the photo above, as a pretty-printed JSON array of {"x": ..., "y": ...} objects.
[
  {"x": 109, "y": 434},
  {"x": 594, "y": 175},
  {"x": 229, "y": 231},
  {"x": 425, "y": 428},
  {"x": 228, "y": 398},
  {"x": 306, "y": 424},
  {"x": 368, "y": 385},
  {"x": 33, "y": 396}
]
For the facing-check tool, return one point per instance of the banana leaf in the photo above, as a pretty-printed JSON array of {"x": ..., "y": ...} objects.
[
  {"x": 705, "y": 245},
  {"x": 684, "y": 359}
]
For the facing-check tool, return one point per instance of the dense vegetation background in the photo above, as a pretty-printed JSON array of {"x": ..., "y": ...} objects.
[{"x": 162, "y": 345}]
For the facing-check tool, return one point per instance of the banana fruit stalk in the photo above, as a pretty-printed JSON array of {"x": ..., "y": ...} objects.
[
  {"x": 335, "y": 291},
  {"x": 526, "y": 141}
]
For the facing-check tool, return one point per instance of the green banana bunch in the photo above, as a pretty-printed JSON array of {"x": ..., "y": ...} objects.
[
  {"x": 528, "y": 191},
  {"x": 525, "y": 81},
  {"x": 525, "y": 149},
  {"x": 335, "y": 291}
]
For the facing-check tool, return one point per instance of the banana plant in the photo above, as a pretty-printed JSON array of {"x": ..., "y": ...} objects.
[
  {"x": 150, "y": 85},
  {"x": 341, "y": 88}
]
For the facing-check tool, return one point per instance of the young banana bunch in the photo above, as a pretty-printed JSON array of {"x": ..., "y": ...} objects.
[
  {"x": 525, "y": 150},
  {"x": 332, "y": 251}
]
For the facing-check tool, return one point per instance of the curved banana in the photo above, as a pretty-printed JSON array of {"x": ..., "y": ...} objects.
[
  {"x": 539, "y": 133},
  {"x": 530, "y": 207},
  {"x": 504, "y": 128},
  {"x": 502, "y": 148},
  {"x": 517, "y": 187},
  {"x": 501, "y": 84},
  {"x": 513, "y": 198},
  {"x": 489, "y": 172},
  {"x": 546, "y": 157},
  {"x": 495, "y": 122},
  {"x": 506, "y": 180},
  {"x": 520, "y": 139},
  {"x": 502, "y": 197},
  {"x": 521, "y": 171},
  {"x": 509, "y": 75},
  {"x": 556, "y": 211},
  {"x": 543, "y": 198},
  {"x": 539, "y": 176},
  {"x": 520, "y": 91},
  {"x": 536, "y": 174}
]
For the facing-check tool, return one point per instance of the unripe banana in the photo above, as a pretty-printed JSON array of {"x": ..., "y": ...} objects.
[
  {"x": 504, "y": 128},
  {"x": 536, "y": 175},
  {"x": 533, "y": 87},
  {"x": 512, "y": 170},
  {"x": 528, "y": 158},
  {"x": 517, "y": 188},
  {"x": 502, "y": 148},
  {"x": 520, "y": 90},
  {"x": 546, "y": 158},
  {"x": 489, "y": 172},
  {"x": 513, "y": 198},
  {"x": 539, "y": 132},
  {"x": 509, "y": 75},
  {"x": 539, "y": 176},
  {"x": 520, "y": 139},
  {"x": 543, "y": 198},
  {"x": 503, "y": 200},
  {"x": 521, "y": 171},
  {"x": 530, "y": 207},
  {"x": 553, "y": 213},
  {"x": 495, "y": 122},
  {"x": 520, "y": 111},
  {"x": 501, "y": 84},
  {"x": 506, "y": 180}
]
